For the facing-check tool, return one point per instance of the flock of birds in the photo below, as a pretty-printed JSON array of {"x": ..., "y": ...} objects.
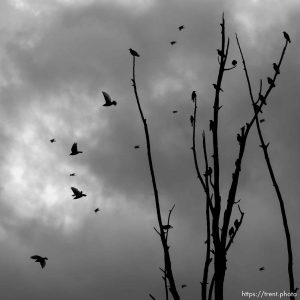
[{"x": 109, "y": 102}]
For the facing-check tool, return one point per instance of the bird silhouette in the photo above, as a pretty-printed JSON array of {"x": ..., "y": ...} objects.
[
  {"x": 192, "y": 120},
  {"x": 167, "y": 227},
  {"x": 261, "y": 269},
  {"x": 39, "y": 259},
  {"x": 183, "y": 286},
  {"x": 271, "y": 82},
  {"x": 231, "y": 231},
  {"x": 216, "y": 87},
  {"x": 257, "y": 108},
  {"x": 194, "y": 96},
  {"x": 108, "y": 101},
  {"x": 211, "y": 125},
  {"x": 181, "y": 27},
  {"x": 175, "y": 111},
  {"x": 262, "y": 120},
  {"x": 236, "y": 224},
  {"x": 96, "y": 210},
  {"x": 52, "y": 140},
  {"x": 133, "y": 52},
  {"x": 74, "y": 150},
  {"x": 234, "y": 62},
  {"x": 72, "y": 174},
  {"x": 276, "y": 68},
  {"x": 77, "y": 194},
  {"x": 137, "y": 147},
  {"x": 208, "y": 172},
  {"x": 173, "y": 43},
  {"x": 220, "y": 53},
  {"x": 286, "y": 36},
  {"x": 262, "y": 99}
]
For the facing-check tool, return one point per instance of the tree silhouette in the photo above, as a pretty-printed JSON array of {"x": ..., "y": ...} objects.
[{"x": 221, "y": 230}]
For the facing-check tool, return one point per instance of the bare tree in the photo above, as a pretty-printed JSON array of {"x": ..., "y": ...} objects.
[{"x": 220, "y": 230}]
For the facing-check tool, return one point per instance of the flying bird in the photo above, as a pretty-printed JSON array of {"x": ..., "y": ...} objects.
[
  {"x": 39, "y": 259},
  {"x": 271, "y": 82},
  {"x": 137, "y": 147},
  {"x": 52, "y": 140},
  {"x": 276, "y": 68},
  {"x": 261, "y": 269},
  {"x": 216, "y": 87},
  {"x": 173, "y": 43},
  {"x": 286, "y": 36},
  {"x": 194, "y": 96},
  {"x": 167, "y": 227},
  {"x": 175, "y": 111},
  {"x": 74, "y": 150},
  {"x": 133, "y": 52},
  {"x": 96, "y": 210},
  {"x": 231, "y": 231},
  {"x": 183, "y": 286},
  {"x": 77, "y": 194},
  {"x": 181, "y": 27},
  {"x": 262, "y": 120},
  {"x": 72, "y": 174},
  {"x": 108, "y": 101}
]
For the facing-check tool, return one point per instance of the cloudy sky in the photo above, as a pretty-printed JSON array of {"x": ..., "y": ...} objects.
[{"x": 56, "y": 56}]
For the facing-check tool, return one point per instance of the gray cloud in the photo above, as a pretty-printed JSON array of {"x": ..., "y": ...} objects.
[{"x": 55, "y": 59}]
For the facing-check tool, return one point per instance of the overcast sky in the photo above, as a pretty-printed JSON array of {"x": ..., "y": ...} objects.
[{"x": 56, "y": 56}]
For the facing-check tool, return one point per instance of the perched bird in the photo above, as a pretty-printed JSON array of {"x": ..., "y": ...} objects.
[
  {"x": 211, "y": 125},
  {"x": 173, "y": 43},
  {"x": 52, "y": 140},
  {"x": 181, "y": 27},
  {"x": 183, "y": 286},
  {"x": 96, "y": 210},
  {"x": 77, "y": 194},
  {"x": 216, "y": 87},
  {"x": 208, "y": 172},
  {"x": 257, "y": 108},
  {"x": 262, "y": 99},
  {"x": 261, "y": 268},
  {"x": 72, "y": 174},
  {"x": 276, "y": 68},
  {"x": 108, "y": 101},
  {"x": 231, "y": 231},
  {"x": 194, "y": 96},
  {"x": 167, "y": 227},
  {"x": 220, "y": 53},
  {"x": 236, "y": 224},
  {"x": 39, "y": 259},
  {"x": 286, "y": 36},
  {"x": 239, "y": 138},
  {"x": 175, "y": 111},
  {"x": 74, "y": 150},
  {"x": 271, "y": 82},
  {"x": 133, "y": 52},
  {"x": 234, "y": 62},
  {"x": 192, "y": 120}
]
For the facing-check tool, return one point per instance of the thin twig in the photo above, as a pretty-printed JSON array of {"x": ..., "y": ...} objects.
[{"x": 264, "y": 147}]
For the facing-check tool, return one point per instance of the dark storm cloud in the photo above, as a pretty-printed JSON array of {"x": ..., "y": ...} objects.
[{"x": 54, "y": 68}]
